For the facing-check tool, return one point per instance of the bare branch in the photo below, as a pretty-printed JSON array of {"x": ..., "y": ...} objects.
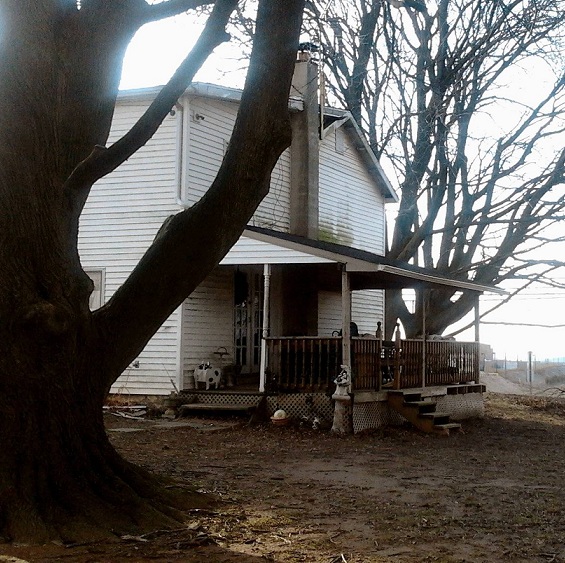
[
  {"x": 530, "y": 281},
  {"x": 103, "y": 161},
  {"x": 155, "y": 12},
  {"x": 186, "y": 248}
]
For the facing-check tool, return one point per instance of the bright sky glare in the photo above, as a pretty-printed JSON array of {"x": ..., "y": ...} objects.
[{"x": 158, "y": 48}]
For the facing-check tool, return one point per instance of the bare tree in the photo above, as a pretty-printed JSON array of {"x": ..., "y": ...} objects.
[
  {"x": 59, "y": 73},
  {"x": 481, "y": 171}
]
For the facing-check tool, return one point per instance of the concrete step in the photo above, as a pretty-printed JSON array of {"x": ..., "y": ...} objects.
[
  {"x": 422, "y": 406},
  {"x": 445, "y": 429},
  {"x": 186, "y": 409},
  {"x": 437, "y": 417}
]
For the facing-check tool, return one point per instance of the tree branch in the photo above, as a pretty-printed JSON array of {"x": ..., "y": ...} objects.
[
  {"x": 155, "y": 12},
  {"x": 186, "y": 249},
  {"x": 529, "y": 282},
  {"x": 102, "y": 161}
]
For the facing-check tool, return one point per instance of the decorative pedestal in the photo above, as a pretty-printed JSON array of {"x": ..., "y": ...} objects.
[
  {"x": 343, "y": 409},
  {"x": 343, "y": 416}
]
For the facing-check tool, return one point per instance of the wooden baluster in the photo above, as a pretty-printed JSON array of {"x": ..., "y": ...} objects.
[
  {"x": 300, "y": 364},
  {"x": 311, "y": 369},
  {"x": 317, "y": 363},
  {"x": 379, "y": 333},
  {"x": 397, "y": 347},
  {"x": 287, "y": 366},
  {"x": 379, "y": 358}
]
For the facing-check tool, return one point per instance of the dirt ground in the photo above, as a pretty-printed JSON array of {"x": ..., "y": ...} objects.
[{"x": 493, "y": 492}]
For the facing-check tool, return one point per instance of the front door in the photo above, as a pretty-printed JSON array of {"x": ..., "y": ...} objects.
[{"x": 248, "y": 318}]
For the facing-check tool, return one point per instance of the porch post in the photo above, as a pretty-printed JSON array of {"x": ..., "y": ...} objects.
[
  {"x": 343, "y": 407},
  {"x": 345, "y": 319},
  {"x": 265, "y": 325},
  {"x": 424, "y": 340},
  {"x": 478, "y": 337},
  {"x": 477, "y": 319}
]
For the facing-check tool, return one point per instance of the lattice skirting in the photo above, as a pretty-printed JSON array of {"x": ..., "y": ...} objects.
[
  {"x": 370, "y": 416},
  {"x": 460, "y": 407},
  {"x": 298, "y": 405},
  {"x": 220, "y": 398},
  {"x": 373, "y": 415},
  {"x": 366, "y": 416}
]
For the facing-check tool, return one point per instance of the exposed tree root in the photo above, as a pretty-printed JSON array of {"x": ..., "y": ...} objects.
[{"x": 82, "y": 502}]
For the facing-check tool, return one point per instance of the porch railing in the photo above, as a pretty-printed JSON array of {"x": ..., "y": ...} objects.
[
  {"x": 447, "y": 362},
  {"x": 374, "y": 362},
  {"x": 312, "y": 363},
  {"x": 307, "y": 363}
]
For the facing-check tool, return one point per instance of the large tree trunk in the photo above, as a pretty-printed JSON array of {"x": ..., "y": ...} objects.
[{"x": 59, "y": 476}]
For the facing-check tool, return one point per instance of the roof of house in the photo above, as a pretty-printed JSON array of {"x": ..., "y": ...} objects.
[{"x": 368, "y": 270}]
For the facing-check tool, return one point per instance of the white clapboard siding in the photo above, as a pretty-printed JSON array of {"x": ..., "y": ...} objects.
[
  {"x": 329, "y": 312},
  {"x": 351, "y": 209},
  {"x": 119, "y": 222},
  {"x": 208, "y": 320},
  {"x": 366, "y": 311},
  {"x": 158, "y": 363},
  {"x": 209, "y": 133},
  {"x": 250, "y": 251},
  {"x": 274, "y": 211}
]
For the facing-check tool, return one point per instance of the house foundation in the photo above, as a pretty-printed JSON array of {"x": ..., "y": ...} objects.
[{"x": 368, "y": 410}]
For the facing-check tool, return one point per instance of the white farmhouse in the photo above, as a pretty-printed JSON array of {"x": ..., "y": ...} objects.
[{"x": 310, "y": 262}]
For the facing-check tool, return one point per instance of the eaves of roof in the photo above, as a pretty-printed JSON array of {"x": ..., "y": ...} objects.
[{"x": 377, "y": 268}]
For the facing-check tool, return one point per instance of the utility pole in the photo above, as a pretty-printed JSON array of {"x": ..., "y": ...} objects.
[{"x": 529, "y": 371}]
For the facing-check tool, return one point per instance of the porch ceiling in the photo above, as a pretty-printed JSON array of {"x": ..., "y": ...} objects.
[{"x": 367, "y": 270}]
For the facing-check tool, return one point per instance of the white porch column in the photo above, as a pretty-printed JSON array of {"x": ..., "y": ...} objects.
[
  {"x": 478, "y": 335},
  {"x": 424, "y": 339},
  {"x": 265, "y": 325},
  {"x": 343, "y": 408},
  {"x": 477, "y": 320},
  {"x": 345, "y": 319}
]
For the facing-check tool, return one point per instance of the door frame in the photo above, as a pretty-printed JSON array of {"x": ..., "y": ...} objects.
[{"x": 248, "y": 322}]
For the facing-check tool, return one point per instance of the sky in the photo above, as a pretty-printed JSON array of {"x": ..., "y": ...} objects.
[
  {"x": 155, "y": 53},
  {"x": 158, "y": 48}
]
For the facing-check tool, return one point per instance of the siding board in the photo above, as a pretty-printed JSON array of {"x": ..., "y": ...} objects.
[
  {"x": 367, "y": 308},
  {"x": 120, "y": 220},
  {"x": 351, "y": 208},
  {"x": 208, "y": 320},
  {"x": 208, "y": 138}
]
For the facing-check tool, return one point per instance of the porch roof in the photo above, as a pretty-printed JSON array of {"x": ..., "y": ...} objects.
[{"x": 367, "y": 270}]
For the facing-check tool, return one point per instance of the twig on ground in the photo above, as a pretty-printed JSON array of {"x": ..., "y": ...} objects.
[
  {"x": 124, "y": 415},
  {"x": 331, "y": 538}
]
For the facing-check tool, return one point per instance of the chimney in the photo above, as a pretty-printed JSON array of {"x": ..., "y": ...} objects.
[{"x": 304, "y": 151}]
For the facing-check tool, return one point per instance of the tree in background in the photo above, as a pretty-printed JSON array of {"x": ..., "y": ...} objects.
[
  {"x": 480, "y": 166},
  {"x": 59, "y": 73}
]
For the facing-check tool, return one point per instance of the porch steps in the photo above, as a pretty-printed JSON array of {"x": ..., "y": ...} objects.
[{"x": 421, "y": 414}]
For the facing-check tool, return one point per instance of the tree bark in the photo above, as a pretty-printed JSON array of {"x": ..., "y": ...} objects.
[{"x": 60, "y": 478}]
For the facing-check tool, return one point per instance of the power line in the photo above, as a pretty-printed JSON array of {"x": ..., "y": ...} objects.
[{"x": 521, "y": 324}]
